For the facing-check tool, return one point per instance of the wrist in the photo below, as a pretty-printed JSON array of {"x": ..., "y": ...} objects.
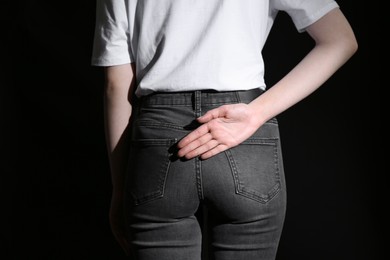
[{"x": 258, "y": 118}]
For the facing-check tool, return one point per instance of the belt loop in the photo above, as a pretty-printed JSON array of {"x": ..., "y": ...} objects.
[
  {"x": 198, "y": 103},
  {"x": 237, "y": 93}
]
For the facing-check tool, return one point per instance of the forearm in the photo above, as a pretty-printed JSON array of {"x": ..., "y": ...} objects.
[
  {"x": 331, "y": 51},
  {"x": 117, "y": 112},
  {"x": 300, "y": 82}
]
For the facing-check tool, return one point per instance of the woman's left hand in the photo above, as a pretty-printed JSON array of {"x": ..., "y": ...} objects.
[{"x": 222, "y": 128}]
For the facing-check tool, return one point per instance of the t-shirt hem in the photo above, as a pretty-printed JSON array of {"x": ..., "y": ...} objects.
[{"x": 106, "y": 63}]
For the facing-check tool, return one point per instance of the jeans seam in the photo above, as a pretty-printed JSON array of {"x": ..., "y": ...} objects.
[
  {"x": 198, "y": 169},
  {"x": 197, "y": 103}
]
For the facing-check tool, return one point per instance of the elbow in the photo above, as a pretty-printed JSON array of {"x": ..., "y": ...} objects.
[
  {"x": 345, "y": 47},
  {"x": 119, "y": 79},
  {"x": 355, "y": 46},
  {"x": 349, "y": 44},
  {"x": 352, "y": 45},
  {"x": 110, "y": 89},
  {"x": 116, "y": 90}
]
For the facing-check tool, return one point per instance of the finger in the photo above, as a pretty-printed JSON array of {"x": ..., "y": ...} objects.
[
  {"x": 212, "y": 114},
  {"x": 125, "y": 246},
  {"x": 194, "y": 145},
  {"x": 122, "y": 241},
  {"x": 216, "y": 150},
  {"x": 197, "y": 133},
  {"x": 202, "y": 149}
]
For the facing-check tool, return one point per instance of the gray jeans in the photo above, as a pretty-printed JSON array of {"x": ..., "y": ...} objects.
[{"x": 242, "y": 188}]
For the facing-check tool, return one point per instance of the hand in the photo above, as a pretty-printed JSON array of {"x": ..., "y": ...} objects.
[
  {"x": 117, "y": 222},
  {"x": 222, "y": 128}
]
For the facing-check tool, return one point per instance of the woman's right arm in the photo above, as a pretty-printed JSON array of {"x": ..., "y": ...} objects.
[
  {"x": 119, "y": 87},
  {"x": 111, "y": 50}
]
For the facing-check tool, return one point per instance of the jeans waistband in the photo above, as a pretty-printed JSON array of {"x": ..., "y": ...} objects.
[{"x": 207, "y": 97}]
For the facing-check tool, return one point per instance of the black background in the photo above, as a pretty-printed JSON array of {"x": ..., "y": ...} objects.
[{"x": 55, "y": 185}]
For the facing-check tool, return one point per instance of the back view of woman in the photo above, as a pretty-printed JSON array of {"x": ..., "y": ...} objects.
[{"x": 190, "y": 121}]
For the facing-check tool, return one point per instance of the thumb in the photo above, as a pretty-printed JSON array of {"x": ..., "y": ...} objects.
[{"x": 212, "y": 114}]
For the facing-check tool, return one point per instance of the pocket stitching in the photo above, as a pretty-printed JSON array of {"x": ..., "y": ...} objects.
[
  {"x": 249, "y": 193},
  {"x": 164, "y": 170}
]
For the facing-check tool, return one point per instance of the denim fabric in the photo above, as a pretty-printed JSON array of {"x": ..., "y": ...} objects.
[{"x": 243, "y": 188}]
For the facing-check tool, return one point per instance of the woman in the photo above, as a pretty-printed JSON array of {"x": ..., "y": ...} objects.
[{"x": 190, "y": 121}]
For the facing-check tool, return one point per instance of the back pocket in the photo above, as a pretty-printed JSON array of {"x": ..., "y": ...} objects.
[
  {"x": 255, "y": 168},
  {"x": 148, "y": 168}
]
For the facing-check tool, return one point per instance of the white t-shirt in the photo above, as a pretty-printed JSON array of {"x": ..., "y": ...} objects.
[{"x": 185, "y": 45}]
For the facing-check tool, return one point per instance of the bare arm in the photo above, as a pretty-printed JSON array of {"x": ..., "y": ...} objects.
[
  {"x": 119, "y": 86},
  {"x": 117, "y": 112},
  {"x": 335, "y": 44},
  {"x": 229, "y": 125}
]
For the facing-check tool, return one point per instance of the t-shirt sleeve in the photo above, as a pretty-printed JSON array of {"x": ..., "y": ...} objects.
[
  {"x": 304, "y": 12},
  {"x": 111, "y": 39}
]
